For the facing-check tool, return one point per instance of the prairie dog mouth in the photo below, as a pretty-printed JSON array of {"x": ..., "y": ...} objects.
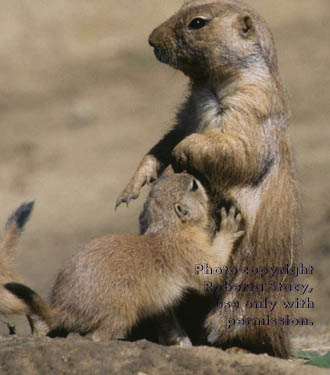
[{"x": 163, "y": 55}]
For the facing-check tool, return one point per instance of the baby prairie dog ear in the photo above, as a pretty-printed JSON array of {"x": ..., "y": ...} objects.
[
  {"x": 194, "y": 185},
  {"x": 246, "y": 25},
  {"x": 183, "y": 212}
]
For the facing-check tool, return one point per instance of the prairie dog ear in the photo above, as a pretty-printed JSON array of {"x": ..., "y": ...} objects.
[
  {"x": 194, "y": 185},
  {"x": 246, "y": 25},
  {"x": 183, "y": 212}
]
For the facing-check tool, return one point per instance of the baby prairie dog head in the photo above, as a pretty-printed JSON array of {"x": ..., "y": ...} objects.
[
  {"x": 174, "y": 202},
  {"x": 214, "y": 38}
]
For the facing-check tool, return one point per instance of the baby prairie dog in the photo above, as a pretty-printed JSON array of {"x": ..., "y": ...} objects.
[
  {"x": 9, "y": 304},
  {"x": 231, "y": 133},
  {"x": 118, "y": 279}
]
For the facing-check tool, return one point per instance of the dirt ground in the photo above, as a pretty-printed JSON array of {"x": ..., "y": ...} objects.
[
  {"x": 44, "y": 356},
  {"x": 82, "y": 98}
]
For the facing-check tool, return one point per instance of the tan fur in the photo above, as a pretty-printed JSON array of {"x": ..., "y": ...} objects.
[
  {"x": 116, "y": 280},
  {"x": 9, "y": 304},
  {"x": 231, "y": 134}
]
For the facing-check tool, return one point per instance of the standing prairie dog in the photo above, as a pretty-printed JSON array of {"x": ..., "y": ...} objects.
[
  {"x": 231, "y": 133},
  {"x": 10, "y": 304},
  {"x": 118, "y": 279}
]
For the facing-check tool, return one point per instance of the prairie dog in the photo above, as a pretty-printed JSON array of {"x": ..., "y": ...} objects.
[
  {"x": 10, "y": 304},
  {"x": 231, "y": 133},
  {"x": 115, "y": 280}
]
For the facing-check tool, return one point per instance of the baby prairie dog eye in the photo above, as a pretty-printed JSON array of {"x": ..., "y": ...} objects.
[
  {"x": 198, "y": 23},
  {"x": 182, "y": 211}
]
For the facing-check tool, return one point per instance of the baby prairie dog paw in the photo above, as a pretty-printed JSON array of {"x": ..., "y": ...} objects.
[
  {"x": 146, "y": 173},
  {"x": 231, "y": 223},
  {"x": 229, "y": 233}
]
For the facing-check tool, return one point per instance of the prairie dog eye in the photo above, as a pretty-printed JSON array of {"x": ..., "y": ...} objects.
[
  {"x": 182, "y": 211},
  {"x": 198, "y": 23}
]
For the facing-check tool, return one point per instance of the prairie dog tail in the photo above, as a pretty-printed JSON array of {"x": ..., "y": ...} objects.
[
  {"x": 36, "y": 305},
  {"x": 14, "y": 227}
]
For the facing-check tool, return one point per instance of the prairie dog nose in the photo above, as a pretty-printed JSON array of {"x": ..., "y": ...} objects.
[{"x": 151, "y": 39}]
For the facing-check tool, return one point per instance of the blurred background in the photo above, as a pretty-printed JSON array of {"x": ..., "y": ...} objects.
[{"x": 82, "y": 98}]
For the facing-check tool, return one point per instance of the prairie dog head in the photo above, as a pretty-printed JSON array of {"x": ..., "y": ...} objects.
[
  {"x": 175, "y": 201},
  {"x": 214, "y": 38}
]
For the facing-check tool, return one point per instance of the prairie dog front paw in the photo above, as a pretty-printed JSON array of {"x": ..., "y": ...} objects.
[{"x": 146, "y": 173}]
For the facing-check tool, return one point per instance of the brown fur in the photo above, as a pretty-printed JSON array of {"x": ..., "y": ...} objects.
[
  {"x": 231, "y": 133},
  {"x": 118, "y": 279},
  {"x": 9, "y": 304}
]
